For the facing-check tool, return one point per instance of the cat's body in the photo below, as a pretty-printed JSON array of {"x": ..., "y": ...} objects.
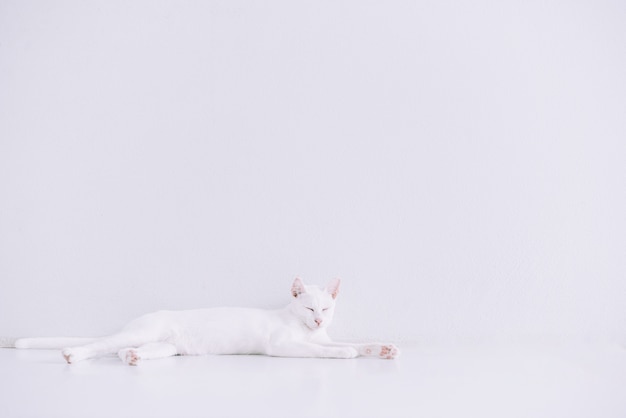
[{"x": 298, "y": 330}]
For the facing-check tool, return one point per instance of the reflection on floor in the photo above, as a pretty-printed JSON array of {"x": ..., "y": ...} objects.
[{"x": 427, "y": 381}]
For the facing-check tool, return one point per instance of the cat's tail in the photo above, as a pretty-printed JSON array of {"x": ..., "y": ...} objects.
[
  {"x": 7, "y": 342},
  {"x": 44, "y": 343}
]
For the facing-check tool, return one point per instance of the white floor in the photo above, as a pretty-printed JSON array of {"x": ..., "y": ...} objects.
[{"x": 579, "y": 381}]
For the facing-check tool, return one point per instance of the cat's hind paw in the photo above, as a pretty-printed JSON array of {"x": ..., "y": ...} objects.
[
  {"x": 388, "y": 352},
  {"x": 73, "y": 355},
  {"x": 129, "y": 356}
]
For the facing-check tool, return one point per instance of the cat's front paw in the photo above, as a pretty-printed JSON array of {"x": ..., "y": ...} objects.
[
  {"x": 388, "y": 352},
  {"x": 348, "y": 352},
  {"x": 129, "y": 356}
]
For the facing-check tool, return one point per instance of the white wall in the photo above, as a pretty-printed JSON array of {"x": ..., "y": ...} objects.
[{"x": 460, "y": 166}]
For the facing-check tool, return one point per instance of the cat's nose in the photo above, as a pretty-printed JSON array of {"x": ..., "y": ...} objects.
[{"x": 318, "y": 322}]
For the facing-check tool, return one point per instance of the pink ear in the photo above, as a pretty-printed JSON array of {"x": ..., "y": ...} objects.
[
  {"x": 333, "y": 287},
  {"x": 297, "y": 287}
]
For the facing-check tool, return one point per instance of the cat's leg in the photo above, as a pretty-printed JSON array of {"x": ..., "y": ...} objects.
[
  {"x": 304, "y": 349},
  {"x": 383, "y": 351},
  {"x": 102, "y": 346},
  {"x": 132, "y": 356}
]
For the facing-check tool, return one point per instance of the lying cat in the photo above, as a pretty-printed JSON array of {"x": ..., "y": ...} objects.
[{"x": 298, "y": 330}]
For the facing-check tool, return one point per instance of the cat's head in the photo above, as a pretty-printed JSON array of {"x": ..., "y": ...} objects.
[{"x": 313, "y": 305}]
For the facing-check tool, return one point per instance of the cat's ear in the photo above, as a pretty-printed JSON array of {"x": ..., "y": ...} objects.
[
  {"x": 333, "y": 288},
  {"x": 297, "y": 287}
]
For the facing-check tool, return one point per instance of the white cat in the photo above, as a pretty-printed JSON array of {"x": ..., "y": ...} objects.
[{"x": 298, "y": 330}]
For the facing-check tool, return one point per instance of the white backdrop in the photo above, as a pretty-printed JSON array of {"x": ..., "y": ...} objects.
[{"x": 460, "y": 165}]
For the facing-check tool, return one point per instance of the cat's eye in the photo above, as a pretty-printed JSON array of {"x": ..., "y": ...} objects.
[
  {"x": 325, "y": 309},
  {"x": 310, "y": 309}
]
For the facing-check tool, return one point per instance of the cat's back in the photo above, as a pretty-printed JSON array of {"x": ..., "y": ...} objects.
[
  {"x": 225, "y": 316},
  {"x": 208, "y": 317}
]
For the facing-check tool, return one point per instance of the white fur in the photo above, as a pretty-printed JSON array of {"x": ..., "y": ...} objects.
[{"x": 298, "y": 330}]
